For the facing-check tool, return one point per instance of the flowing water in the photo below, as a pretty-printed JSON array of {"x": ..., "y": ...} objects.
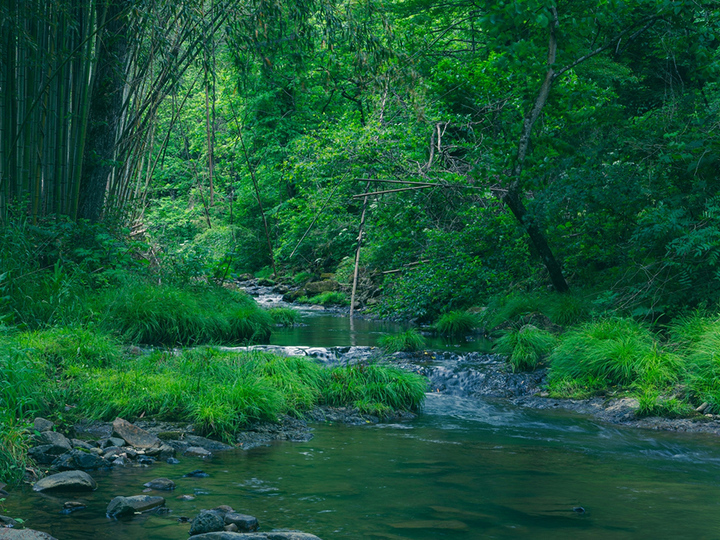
[{"x": 466, "y": 468}]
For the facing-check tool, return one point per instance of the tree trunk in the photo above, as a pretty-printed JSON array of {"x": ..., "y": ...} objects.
[
  {"x": 513, "y": 195},
  {"x": 106, "y": 104}
]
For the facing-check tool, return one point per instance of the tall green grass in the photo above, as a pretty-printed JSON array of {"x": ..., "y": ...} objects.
[
  {"x": 700, "y": 337},
  {"x": 327, "y": 298},
  {"x": 284, "y": 316},
  {"x": 526, "y": 347},
  {"x": 375, "y": 388},
  {"x": 456, "y": 323},
  {"x": 616, "y": 352},
  {"x": 408, "y": 341},
  {"x": 172, "y": 315}
]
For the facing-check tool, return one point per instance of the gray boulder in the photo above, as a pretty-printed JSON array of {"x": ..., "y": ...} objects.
[
  {"x": 42, "y": 424},
  {"x": 66, "y": 481},
  {"x": 79, "y": 459},
  {"x": 24, "y": 534},
  {"x": 134, "y": 435},
  {"x": 123, "y": 506},
  {"x": 243, "y": 522},
  {"x": 53, "y": 443},
  {"x": 207, "y": 521}
]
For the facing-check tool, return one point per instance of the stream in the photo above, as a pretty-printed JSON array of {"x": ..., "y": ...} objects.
[{"x": 466, "y": 468}]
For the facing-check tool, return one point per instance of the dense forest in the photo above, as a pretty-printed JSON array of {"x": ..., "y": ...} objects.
[{"x": 545, "y": 172}]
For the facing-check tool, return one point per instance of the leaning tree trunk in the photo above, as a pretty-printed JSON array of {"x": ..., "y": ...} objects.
[
  {"x": 106, "y": 107},
  {"x": 513, "y": 197}
]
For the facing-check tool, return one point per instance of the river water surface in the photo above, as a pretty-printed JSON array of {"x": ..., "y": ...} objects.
[{"x": 466, "y": 468}]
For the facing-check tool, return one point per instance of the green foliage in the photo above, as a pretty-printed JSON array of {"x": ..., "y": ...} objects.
[
  {"x": 526, "y": 347},
  {"x": 651, "y": 402},
  {"x": 174, "y": 315},
  {"x": 703, "y": 355},
  {"x": 616, "y": 351},
  {"x": 408, "y": 341},
  {"x": 559, "y": 309},
  {"x": 374, "y": 387},
  {"x": 456, "y": 323},
  {"x": 327, "y": 298},
  {"x": 284, "y": 316}
]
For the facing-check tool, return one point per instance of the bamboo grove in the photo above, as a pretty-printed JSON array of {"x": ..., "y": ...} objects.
[{"x": 81, "y": 82}]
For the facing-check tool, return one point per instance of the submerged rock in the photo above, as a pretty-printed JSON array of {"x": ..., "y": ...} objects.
[
  {"x": 161, "y": 484},
  {"x": 67, "y": 481},
  {"x": 273, "y": 535},
  {"x": 122, "y": 506}
]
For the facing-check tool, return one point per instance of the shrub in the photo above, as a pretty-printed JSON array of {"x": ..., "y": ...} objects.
[
  {"x": 618, "y": 351},
  {"x": 526, "y": 347},
  {"x": 408, "y": 341},
  {"x": 456, "y": 323}
]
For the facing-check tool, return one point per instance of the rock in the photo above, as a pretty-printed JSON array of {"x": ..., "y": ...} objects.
[
  {"x": 208, "y": 444},
  {"x": 111, "y": 452},
  {"x": 172, "y": 461},
  {"x": 316, "y": 287},
  {"x": 231, "y": 528},
  {"x": 24, "y": 534},
  {"x": 223, "y": 509},
  {"x": 278, "y": 535},
  {"x": 66, "y": 481},
  {"x": 134, "y": 436},
  {"x": 78, "y": 459},
  {"x": 122, "y": 506},
  {"x": 197, "y": 473},
  {"x": 77, "y": 443},
  {"x": 111, "y": 442},
  {"x": 161, "y": 484},
  {"x": 164, "y": 451},
  {"x": 144, "y": 460},
  {"x": 9, "y": 522},
  {"x": 59, "y": 442},
  {"x": 197, "y": 451},
  {"x": 42, "y": 455},
  {"x": 121, "y": 461},
  {"x": 72, "y": 506},
  {"x": 42, "y": 424},
  {"x": 207, "y": 521},
  {"x": 243, "y": 522},
  {"x": 186, "y": 498}
]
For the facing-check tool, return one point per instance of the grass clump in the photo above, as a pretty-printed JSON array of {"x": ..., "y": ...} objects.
[
  {"x": 526, "y": 347},
  {"x": 327, "y": 298},
  {"x": 522, "y": 308},
  {"x": 456, "y": 323},
  {"x": 701, "y": 338},
  {"x": 174, "y": 315},
  {"x": 616, "y": 352},
  {"x": 408, "y": 341},
  {"x": 284, "y": 316},
  {"x": 375, "y": 388}
]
